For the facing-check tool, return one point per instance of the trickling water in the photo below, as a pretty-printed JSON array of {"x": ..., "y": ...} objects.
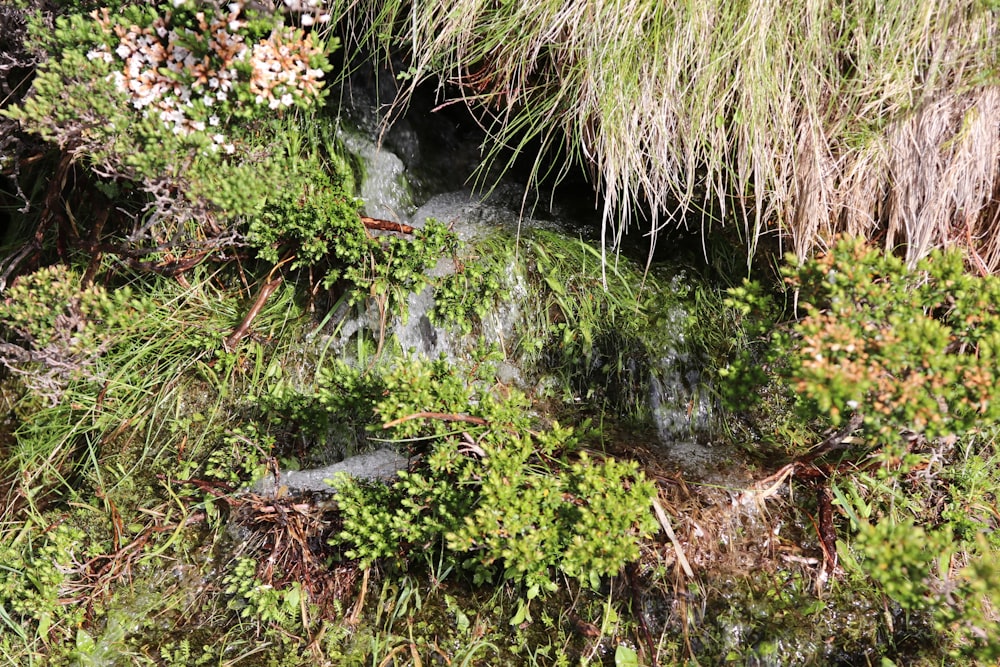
[
  {"x": 384, "y": 188},
  {"x": 406, "y": 178}
]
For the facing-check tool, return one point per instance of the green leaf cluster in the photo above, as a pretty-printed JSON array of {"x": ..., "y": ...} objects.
[
  {"x": 34, "y": 579},
  {"x": 467, "y": 295},
  {"x": 260, "y": 602},
  {"x": 497, "y": 495},
  {"x": 908, "y": 350},
  {"x": 398, "y": 266},
  {"x": 57, "y": 328}
]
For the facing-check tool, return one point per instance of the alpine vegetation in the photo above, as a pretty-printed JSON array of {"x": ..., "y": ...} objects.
[{"x": 804, "y": 119}]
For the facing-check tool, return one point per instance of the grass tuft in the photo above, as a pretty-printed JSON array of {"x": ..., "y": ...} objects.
[{"x": 804, "y": 119}]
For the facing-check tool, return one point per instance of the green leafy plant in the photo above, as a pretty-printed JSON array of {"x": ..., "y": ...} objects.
[
  {"x": 497, "y": 494},
  {"x": 35, "y": 576},
  {"x": 262, "y": 603},
  {"x": 905, "y": 351},
  {"x": 465, "y": 296},
  {"x": 58, "y": 328}
]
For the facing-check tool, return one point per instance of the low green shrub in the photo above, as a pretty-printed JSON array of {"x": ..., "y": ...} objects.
[
  {"x": 57, "y": 328},
  {"x": 903, "y": 361},
  {"x": 498, "y": 495},
  {"x": 910, "y": 352},
  {"x": 36, "y": 575}
]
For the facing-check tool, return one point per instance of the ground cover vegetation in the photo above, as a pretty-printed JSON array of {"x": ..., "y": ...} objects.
[
  {"x": 185, "y": 233},
  {"x": 157, "y": 279}
]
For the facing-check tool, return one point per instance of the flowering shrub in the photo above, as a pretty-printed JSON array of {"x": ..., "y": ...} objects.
[
  {"x": 908, "y": 351},
  {"x": 189, "y": 70},
  {"x": 180, "y": 98}
]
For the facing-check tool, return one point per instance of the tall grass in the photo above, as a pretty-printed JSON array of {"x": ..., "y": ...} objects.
[
  {"x": 153, "y": 393},
  {"x": 804, "y": 118}
]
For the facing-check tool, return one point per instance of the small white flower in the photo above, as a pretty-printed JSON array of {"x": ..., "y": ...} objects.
[
  {"x": 123, "y": 51},
  {"x": 218, "y": 138},
  {"x": 307, "y": 20},
  {"x": 198, "y": 125},
  {"x": 274, "y": 103},
  {"x": 287, "y": 99},
  {"x": 99, "y": 54},
  {"x": 213, "y": 121},
  {"x": 229, "y": 148}
]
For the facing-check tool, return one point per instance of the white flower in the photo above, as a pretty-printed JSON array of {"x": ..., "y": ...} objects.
[
  {"x": 123, "y": 51},
  {"x": 214, "y": 121},
  {"x": 218, "y": 138},
  {"x": 287, "y": 99},
  {"x": 99, "y": 54},
  {"x": 229, "y": 148},
  {"x": 198, "y": 125},
  {"x": 307, "y": 20}
]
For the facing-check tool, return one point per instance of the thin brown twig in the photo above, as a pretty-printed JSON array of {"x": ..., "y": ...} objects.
[
  {"x": 442, "y": 416},
  {"x": 386, "y": 225},
  {"x": 266, "y": 291}
]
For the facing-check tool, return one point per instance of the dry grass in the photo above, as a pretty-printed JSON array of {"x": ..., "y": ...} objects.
[{"x": 805, "y": 118}]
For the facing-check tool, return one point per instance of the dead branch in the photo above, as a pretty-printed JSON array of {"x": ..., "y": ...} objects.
[
  {"x": 266, "y": 291},
  {"x": 386, "y": 225},
  {"x": 441, "y": 416}
]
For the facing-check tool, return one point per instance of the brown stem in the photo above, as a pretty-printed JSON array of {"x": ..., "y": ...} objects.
[
  {"x": 834, "y": 441},
  {"x": 827, "y": 531},
  {"x": 266, "y": 291},
  {"x": 443, "y": 416},
  {"x": 386, "y": 225}
]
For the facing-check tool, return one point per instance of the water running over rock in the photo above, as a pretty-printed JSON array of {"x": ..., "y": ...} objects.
[{"x": 669, "y": 369}]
